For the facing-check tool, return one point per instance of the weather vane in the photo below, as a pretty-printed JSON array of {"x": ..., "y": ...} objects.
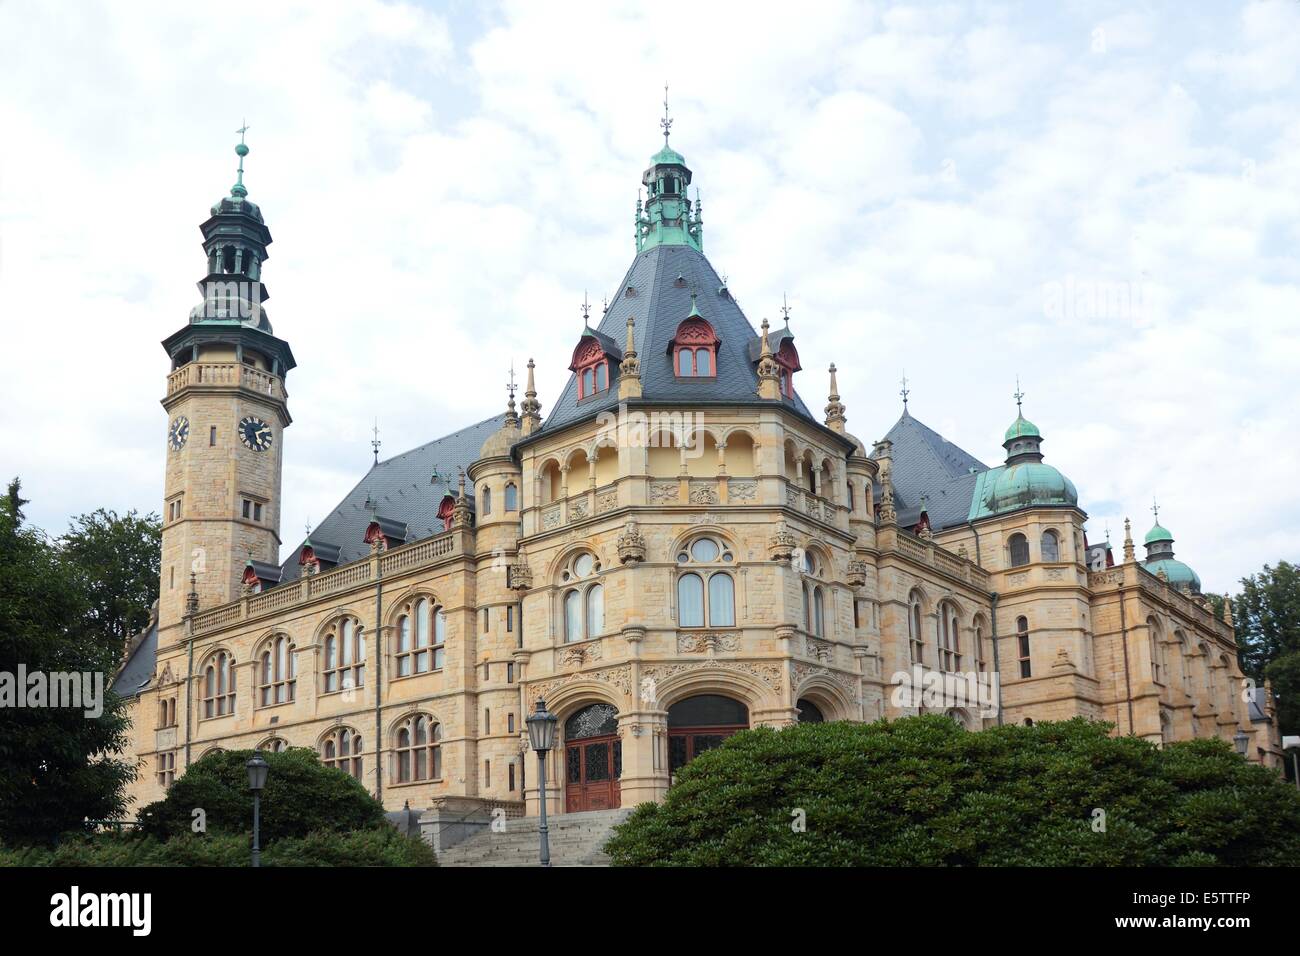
[
  {"x": 1155, "y": 509},
  {"x": 785, "y": 308},
  {"x": 904, "y": 391},
  {"x": 586, "y": 310},
  {"x": 375, "y": 442},
  {"x": 510, "y": 386},
  {"x": 1019, "y": 395},
  {"x": 666, "y": 123}
]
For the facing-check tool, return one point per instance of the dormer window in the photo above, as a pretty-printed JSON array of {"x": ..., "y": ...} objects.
[
  {"x": 695, "y": 349},
  {"x": 787, "y": 360},
  {"x": 591, "y": 366}
]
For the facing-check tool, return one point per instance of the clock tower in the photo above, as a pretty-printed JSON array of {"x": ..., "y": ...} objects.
[{"x": 226, "y": 414}]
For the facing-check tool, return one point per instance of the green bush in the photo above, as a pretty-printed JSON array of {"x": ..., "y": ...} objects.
[
  {"x": 302, "y": 796},
  {"x": 379, "y": 846},
  {"x": 921, "y": 791}
]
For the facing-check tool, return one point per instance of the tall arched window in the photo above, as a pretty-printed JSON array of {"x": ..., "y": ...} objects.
[
  {"x": 705, "y": 597},
  {"x": 1211, "y": 686},
  {"x": 417, "y": 750},
  {"x": 1019, "y": 545},
  {"x": 949, "y": 639},
  {"x": 277, "y": 672},
  {"x": 421, "y": 633},
  {"x": 1155, "y": 649},
  {"x": 914, "y": 639},
  {"x": 814, "y": 609},
  {"x": 485, "y": 506},
  {"x": 341, "y": 748},
  {"x": 274, "y": 745},
  {"x": 1051, "y": 546},
  {"x": 1185, "y": 678},
  {"x": 345, "y": 656},
  {"x": 573, "y": 615},
  {"x": 595, "y": 610},
  {"x": 1022, "y": 646},
  {"x": 219, "y": 685},
  {"x": 977, "y": 635},
  {"x": 512, "y": 497}
]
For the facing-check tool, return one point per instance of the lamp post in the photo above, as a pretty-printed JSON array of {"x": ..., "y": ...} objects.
[
  {"x": 541, "y": 734},
  {"x": 257, "y": 769},
  {"x": 1242, "y": 740}
]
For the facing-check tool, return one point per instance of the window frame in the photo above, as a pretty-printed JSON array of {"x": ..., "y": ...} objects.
[
  {"x": 343, "y": 655},
  {"x": 277, "y": 671}
]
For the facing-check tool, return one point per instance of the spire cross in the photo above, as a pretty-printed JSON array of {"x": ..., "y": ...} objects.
[
  {"x": 666, "y": 123},
  {"x": 1019, "y": 395},
  {"x": 904, "y": 391}
]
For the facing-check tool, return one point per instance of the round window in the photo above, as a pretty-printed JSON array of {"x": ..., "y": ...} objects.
[
  {"x": 705, "y": 549},
  {"x": 584, "y": 565}
]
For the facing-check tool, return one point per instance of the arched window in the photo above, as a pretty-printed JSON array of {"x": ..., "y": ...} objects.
[
  {"x": 809, "y": 713},
  {"x": 583, "y": 603},
  {"x": 1211, "y": 687},
  {"x": 814, "y": 610},
  {"x": 1019, "y": 550},
  {"x": 695, "y": 348},
  {"x": 421, "y": 634},
  {"x": 274, "y": 745},
  {"x": 219, "y": 685},
  {"x": 1022, "y": 646},
  {"x": 345, "y": 656},
  {"x": 977, "y": 634},
  {"x": 341, "y": 748},
  {"x": 417, "y": 749},
  {"x": 1155, "y": 650},
  {"x": 595, "y": 610},
  {"x": 1050, "y": 546},
  {"x": 512, "y": 497},
  {"x": 949, "y": 639},
  {"x": 1182, "y": 651},
  {"x": 486, "y": 504},
  {"x": 700, "y": 603},
  {"x": 591, "y": 366},
  {"x": 277, "y": 672},
  {"x": 914, "y": 638},
  {"x": 573, "y": 615}
]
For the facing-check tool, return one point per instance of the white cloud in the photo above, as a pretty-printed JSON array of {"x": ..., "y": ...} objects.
[{"x": 443, "y": 184}]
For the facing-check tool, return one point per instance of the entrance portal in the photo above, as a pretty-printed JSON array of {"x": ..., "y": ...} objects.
[
  {"x": 593, "y": 759},
  {"x": 701, "y": 723}
]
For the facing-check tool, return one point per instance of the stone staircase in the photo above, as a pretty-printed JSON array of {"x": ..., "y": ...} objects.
[{"x": 576, "y": 839}]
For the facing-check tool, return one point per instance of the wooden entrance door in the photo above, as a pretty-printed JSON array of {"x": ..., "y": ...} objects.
[{"x": 592, "y": 767}]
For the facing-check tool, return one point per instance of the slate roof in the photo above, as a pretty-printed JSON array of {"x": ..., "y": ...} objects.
[
  {"x": 660, "y": 304},
  {"x": 401, "y": 490},
  {"x": 138, "y": 670},
  {"x": 926, "y": 463}
]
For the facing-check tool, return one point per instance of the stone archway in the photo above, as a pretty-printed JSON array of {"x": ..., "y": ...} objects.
[
  {"x": 593, "y": 759},
  {"x": 700, "y": 723}
]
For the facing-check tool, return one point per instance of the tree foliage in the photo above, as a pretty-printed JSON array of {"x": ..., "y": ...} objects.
[
  {"x": 1266, "y": 615},
  {"x": 57, "y": 766},
  {"x": 116, "y": 560},
  {"x": 921, "y": 791},
  {"x": 302, "y": 796}
]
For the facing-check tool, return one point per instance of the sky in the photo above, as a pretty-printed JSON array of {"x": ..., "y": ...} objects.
[{"x": 1100, "y": 199}]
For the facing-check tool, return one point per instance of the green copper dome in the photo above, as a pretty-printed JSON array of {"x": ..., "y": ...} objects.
[
  {"x": 667, "y": 155},
  {"x": 1179, "y": 574},
  {"x": 1022, "y": 428},
  {"x": 1158, "y": 533},
  {"x": 1028, "y": 484}
]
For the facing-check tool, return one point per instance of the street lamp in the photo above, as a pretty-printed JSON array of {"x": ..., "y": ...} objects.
[
  {"x": 541, "y": 734},
  {"x": 257, "y": 770},
  {"x": 1242, "y": 740}
]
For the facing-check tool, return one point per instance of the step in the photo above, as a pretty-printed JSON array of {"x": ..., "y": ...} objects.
[{"x": 575, "y": 839}]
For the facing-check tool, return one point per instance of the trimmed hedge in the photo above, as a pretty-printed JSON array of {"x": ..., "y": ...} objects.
[
  {"x": 920, "y": 791},
  {"x": 379, "y": 846},
  {"x": 302, "y": 796}
]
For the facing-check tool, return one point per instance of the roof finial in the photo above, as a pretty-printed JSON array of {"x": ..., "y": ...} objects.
[
  {"x": 785, "y": 308},
  {"x": 375, "y": 442},
  {"x": 905, "y": 391},
  {"x": 586, "y": 309},
  {"x": 1155, "y": 508},
  {"x": 512, "y": 416},
  {"x": 1018, "y": 396},
  {"x": 241, "y": 151},
  {"x": 666, "y": 123}
]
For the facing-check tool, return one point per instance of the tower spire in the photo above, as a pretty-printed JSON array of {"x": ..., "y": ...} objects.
[
  {"x": 629, "y": 377},
  {"x": 241, "y": 151},
  {"x": 835, "y": 416},
  {"x": 666, "y": 122},
  {"x": 512, "y": 416},
  {"x": 531, "y": 407}
]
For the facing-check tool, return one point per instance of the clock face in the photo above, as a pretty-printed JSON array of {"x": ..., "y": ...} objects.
[
  {"x": 179, "y": 433},
  {"x": 255, "y": 433}
]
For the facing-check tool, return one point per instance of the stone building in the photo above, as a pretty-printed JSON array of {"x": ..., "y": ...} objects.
[{"x": 680, "y": 549}]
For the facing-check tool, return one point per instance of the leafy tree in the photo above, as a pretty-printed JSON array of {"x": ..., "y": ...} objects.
[
  {"x": 1284, "y": 672},
  {"x": 302, "y": 796},
  {"x": 1267, "y": 616},
  {"x": 57, "y": 766},
  {"x": 922, "y": 791},
  {"x": 117, "y": 561}
]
